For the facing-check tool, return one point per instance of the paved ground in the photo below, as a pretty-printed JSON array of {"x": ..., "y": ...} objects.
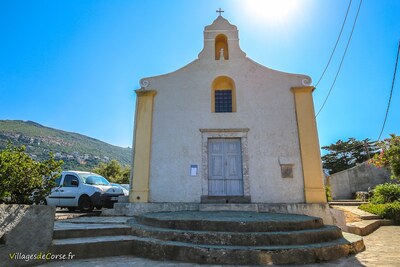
[
  {"x": 382, "y": 250},
  {"x": 382, "y": 247}
]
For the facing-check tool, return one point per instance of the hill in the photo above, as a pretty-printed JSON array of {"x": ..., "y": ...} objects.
[{"x": 78, "y": 151}]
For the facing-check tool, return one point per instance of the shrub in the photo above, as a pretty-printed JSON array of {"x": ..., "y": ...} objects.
[
  {"x": 387, "y": 211},
  {"x": 328, "y": 193},
  {"x": 24, "y": 180},
  {"x": 389, "y": 156},
  {"x": 114, "y": 172},
  {"x": 386, "y": 193}
]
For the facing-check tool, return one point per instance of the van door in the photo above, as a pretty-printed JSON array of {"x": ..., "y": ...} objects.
[
  {"x": 69, "y": 192},
  {"x": 54, "y": 197}
]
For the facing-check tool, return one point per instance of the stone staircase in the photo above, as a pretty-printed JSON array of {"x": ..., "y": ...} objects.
[
  {"x": 91, "y": 237},
  {"x": 365, "y": 222},
  {"x": 223, "y": 237}
]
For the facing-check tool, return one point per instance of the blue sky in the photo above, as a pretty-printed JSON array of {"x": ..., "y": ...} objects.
[{"x": 74, "y": 65}]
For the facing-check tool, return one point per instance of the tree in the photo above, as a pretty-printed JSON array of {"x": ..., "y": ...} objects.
[
  {"x": 114, "y": 172},
  {"x": 389, "y": 155},
  {"x": 24, "y": 180},
  {"x": 346, "y": 154}
]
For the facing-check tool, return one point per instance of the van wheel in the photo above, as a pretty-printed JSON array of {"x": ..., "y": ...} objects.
[{"x": 85, "y": 204}]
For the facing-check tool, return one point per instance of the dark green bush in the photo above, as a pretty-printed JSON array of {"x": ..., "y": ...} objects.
[
  {"x": 386, "y": 193},
  {"x": 114, "y": 172},
  {"x": 386, "y": 211}
]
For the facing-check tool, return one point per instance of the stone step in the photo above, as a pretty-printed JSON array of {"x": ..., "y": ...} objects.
[
  {"x": 232, "y": 221},
  {"x": 246, "y": 255},
  {"x": 73, "y": 230},
  {"x": 366, "y": 227},
  {"x": 106, "y": 246},
  {"x": 324, "y": 234},
  {"x": 98, "y": 220},
  {"x": 345, "y": 200},
  {"x": 93, "y": 247}
]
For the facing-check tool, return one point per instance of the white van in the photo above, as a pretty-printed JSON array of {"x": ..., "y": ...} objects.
[{"x": 83, "y": 190}]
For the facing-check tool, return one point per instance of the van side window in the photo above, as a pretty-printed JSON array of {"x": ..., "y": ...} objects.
[
  {"x": 58, "y": 180},
  {"x": 70, "y": 181}
]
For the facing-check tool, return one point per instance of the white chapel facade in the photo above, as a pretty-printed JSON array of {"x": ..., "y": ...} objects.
[{"x": 226, "y": 129}]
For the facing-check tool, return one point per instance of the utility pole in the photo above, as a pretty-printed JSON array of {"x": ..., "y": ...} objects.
[{"x": 366, "y": 149}]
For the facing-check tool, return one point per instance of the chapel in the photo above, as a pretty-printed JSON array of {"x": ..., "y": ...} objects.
[{"x": 225, "y": 129}]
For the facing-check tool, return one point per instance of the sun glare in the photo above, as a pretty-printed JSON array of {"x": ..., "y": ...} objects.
[{"x": 271, "y": 11}]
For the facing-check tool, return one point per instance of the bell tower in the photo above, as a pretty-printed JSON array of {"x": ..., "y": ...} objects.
[{"x": 221, "y": 41}]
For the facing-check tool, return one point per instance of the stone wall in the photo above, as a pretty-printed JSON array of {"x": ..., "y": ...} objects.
[
  {"x": 344, "y": 184},
  {"x": 24, "y": 230}
]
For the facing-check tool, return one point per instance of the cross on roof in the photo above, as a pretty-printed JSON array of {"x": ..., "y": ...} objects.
[{"x": 220, "y": 11}]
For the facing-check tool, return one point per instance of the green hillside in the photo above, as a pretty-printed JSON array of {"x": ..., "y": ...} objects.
[{"x": 79, "y": 152}]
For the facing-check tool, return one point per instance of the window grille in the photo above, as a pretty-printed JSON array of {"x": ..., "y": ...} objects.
[{"x": 223, "y": 100}]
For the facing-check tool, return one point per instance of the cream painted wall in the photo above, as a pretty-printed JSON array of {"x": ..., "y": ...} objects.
[{"x": 265, "y": 105}]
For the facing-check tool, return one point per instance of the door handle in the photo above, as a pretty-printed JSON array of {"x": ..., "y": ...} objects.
[
  {"x": 56, "y": 190},
  {"x": 61, "y": 190}
]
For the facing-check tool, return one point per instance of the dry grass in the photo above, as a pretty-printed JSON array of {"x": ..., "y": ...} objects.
[{"x": 350, "y": 217}]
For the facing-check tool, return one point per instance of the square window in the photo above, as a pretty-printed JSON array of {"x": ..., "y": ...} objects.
[{"x": 223, "y": 100}]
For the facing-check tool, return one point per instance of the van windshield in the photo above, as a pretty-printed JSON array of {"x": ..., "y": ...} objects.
[{"x": 93, "y": 179}]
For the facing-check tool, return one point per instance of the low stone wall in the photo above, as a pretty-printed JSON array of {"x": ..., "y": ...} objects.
[
  {"x": 346, "y": 183},
  {"x": 25, "y": 230},
  {"x": 329, "y": 216}
]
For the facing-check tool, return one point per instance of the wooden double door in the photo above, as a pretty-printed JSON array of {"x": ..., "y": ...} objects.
[{"x": 225, "y": 175}]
